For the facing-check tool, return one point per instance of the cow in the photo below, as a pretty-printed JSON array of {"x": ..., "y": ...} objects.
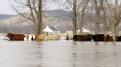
[
  {"x": 118, "y": 38},
  {"x": 108, "y": 38},
  {"x": 32, "y": 38},
  {"x": 98, "y": 37},
  {"x": 52, "y": 37},
  {"x": 29, "y": 37},
  {"x": 82, "y": 37},
  {"x": 102, "y": 37},
  {"x": 16, "y": 37},
  {"x": 41, "y": 37}
]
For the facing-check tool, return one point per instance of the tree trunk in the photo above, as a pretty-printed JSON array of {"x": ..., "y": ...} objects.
[
  {"x": 74, "y": 18},
  {"x": 82, "y": 22},
  {"x": 97, "y": 9},
  {"x": 105, "y": 25},
  {"x": 97, "y": 23},
  {"x": 39, "y": 17}
]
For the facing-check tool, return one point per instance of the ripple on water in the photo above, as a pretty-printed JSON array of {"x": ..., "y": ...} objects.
[{"x": 59, "y": 54}]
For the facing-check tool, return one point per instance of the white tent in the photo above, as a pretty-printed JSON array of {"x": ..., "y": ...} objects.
[{"x": 47, "y": 29}]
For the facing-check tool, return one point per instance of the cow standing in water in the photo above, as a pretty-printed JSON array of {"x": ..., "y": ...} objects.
[
  {"x": 16, "y": 37},
  {"x": 32, "y": 38},
  {"x": 98, "y": 37},
  {"x": 102, "y": 37},
  {"x": 82, "y": 37}
]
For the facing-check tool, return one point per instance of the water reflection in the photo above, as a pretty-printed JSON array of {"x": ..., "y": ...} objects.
[{"x": 59, "y": 54}]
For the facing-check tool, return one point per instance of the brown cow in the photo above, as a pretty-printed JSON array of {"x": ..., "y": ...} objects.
[
  {"x": 109, "y": 38},
  {"x": 41, "y": 37},
  {"x": 16, "y": 37}
]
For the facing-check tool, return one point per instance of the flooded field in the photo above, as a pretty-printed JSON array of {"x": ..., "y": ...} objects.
[{"x": 59, "y": 54}]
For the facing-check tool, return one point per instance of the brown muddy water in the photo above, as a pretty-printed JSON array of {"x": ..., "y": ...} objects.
[{"x": 59, "y": 54}]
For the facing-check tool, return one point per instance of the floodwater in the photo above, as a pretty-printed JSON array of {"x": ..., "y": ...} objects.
[{"x": 59, "y": 54}]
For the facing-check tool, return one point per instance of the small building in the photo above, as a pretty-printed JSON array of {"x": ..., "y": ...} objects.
[{"x": 48, "y": 30}]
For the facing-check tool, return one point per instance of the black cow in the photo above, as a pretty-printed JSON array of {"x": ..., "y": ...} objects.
[
  {"x": 102, "y": 37},
  {"x": 82, "y": 37},
  {"x": 118, "y": 38},
  {"x": 98, "y": 37}
]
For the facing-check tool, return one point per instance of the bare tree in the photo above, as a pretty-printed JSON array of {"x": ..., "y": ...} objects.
[
  {"x": 82, "y": 13},
  {"x": 98, "y": 10},
  {"x": 31, "y": 10},
  {"x": 72, "y": 6},
  {"x": 115, "y": 12},
  {"x": 105, "y": 21},
  {"x": 77, "y": 8}
]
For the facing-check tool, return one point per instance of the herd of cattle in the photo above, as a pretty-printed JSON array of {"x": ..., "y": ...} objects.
[
  {"x": 32, "y": 37},
  {"x": 97, "y": 37},
  {"x": 87, "y": 37}
]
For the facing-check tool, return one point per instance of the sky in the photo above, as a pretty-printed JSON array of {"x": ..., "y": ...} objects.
[{"x": 5, "y": 7}]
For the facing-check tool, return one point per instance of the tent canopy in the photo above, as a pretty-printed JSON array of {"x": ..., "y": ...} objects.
[{"x": 47, "y": 29}]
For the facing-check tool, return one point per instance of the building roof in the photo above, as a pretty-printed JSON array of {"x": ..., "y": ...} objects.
[{"x": 47, "y": 29}]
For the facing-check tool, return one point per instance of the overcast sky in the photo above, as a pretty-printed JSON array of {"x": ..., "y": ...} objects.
[{"x": 5, "y": 7}]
